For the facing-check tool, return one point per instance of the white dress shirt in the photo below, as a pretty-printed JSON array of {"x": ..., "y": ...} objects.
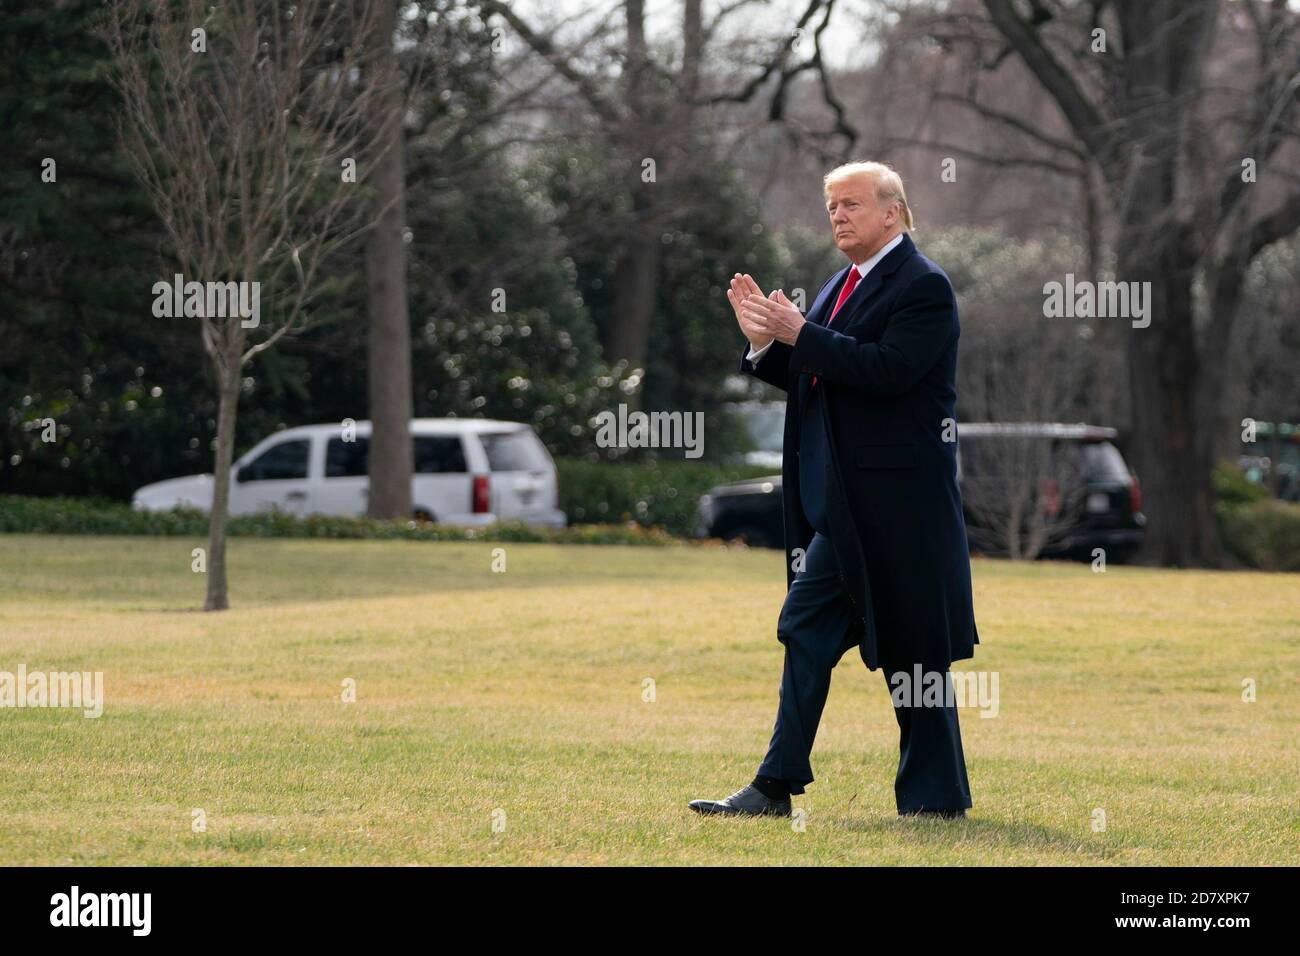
[{"x": 862, "y": 267}]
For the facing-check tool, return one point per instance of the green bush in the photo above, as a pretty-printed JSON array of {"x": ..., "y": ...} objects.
[
  {"x": 26, "y": 515},
  {"x": 1232, "y": 487},
  {"x": 658, "y": 493},
  {"x": 1262, "y": 534},
  {"x": 607, "y": 503}
]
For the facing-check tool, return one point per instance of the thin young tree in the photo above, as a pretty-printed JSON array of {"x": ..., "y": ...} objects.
[{"x": 251, "y": 126}]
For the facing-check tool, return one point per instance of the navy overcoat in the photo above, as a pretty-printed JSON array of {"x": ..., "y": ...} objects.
[{"x": 888, "y": 366}]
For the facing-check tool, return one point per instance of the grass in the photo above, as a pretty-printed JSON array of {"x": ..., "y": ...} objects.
[{"x": 521, "y": 693}]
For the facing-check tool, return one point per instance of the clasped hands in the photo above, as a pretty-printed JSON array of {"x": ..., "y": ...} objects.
[{"x": 763, "y": 318}]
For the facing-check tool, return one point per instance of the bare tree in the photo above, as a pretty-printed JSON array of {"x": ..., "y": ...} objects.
[
  {"x": 654, "y": 112},
  {"x": 1142, "y": 111},
  {"x": 242, "y": 121}
]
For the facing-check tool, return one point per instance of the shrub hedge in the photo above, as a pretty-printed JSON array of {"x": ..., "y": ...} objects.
[
  {"x": 659, "y": 493},
  {"x": 649, "y": 503},
  {"x": 1258, "y": 530},
  {"x": 27, "y": 515}
]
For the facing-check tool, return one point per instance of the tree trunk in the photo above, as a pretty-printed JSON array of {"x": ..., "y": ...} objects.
[
  {"x": 1155, "y": 246},
  {"x": 390, "y": 460},
  {"x": 1168, "y": 453},
  {"x": 227, "y": 406},
  {"x": 1219, "y": 432},
  {"x": 627, "y": 336}
]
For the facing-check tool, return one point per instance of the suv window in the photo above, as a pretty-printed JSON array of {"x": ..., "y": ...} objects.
[
  {"x": 285, "y": 461},
  {"x": 432, "y": 454},
  {"x": 519, "y": 450},
  {"x": 1104, "y": 463},
  {"x": 346, "y": 459},
  {"x": 437, "y": 455},
  {"x": 1011, "y": 458},
  {"x": 766, "y": 425}
]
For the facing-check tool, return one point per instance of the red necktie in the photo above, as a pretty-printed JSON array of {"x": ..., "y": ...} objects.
[{"x": 849, "y": 282}]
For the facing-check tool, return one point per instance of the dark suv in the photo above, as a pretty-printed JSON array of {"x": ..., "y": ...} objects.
[{"x": 1049, "y": 489}]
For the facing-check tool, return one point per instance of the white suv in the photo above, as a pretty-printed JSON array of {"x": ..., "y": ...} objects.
[{"x": 467, "y": 472}]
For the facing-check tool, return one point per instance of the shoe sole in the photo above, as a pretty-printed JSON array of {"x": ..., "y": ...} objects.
[{"x": 714, "y": 811}]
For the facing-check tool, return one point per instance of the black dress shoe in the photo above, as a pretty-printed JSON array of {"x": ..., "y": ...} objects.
[
  {"x": 747, "y": 802},
  {"x": 943, "y": 814}
]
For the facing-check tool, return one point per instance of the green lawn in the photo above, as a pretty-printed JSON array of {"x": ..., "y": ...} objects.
[{"x": 522, "y": 692}]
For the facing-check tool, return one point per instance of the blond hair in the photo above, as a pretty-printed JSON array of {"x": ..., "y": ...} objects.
[{"x": 889, "y": 185}]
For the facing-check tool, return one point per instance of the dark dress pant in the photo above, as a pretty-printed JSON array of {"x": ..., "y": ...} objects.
[{"x": 816, "y": 628}]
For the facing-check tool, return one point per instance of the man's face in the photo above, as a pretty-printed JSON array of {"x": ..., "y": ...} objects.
[{"x": 859, "y": 223}]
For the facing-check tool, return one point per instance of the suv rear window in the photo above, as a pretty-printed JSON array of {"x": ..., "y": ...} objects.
[
  {"x": 1004, "y": 457},
  {"x": 519, "y": 450},
  {"x": 1017, "y": 457},
  {"x": 1104, "y": 463},
  {"x": 766, "y": 426},
  {"x": 433, "y": 455}
]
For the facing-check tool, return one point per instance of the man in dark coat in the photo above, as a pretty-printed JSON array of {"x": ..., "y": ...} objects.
[{"x": 875, "y": 541}]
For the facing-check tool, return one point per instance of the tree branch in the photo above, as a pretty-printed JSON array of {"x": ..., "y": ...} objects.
[
  {"x": 543, "y": 47},
  {"x": 1085, "y": 117}
]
